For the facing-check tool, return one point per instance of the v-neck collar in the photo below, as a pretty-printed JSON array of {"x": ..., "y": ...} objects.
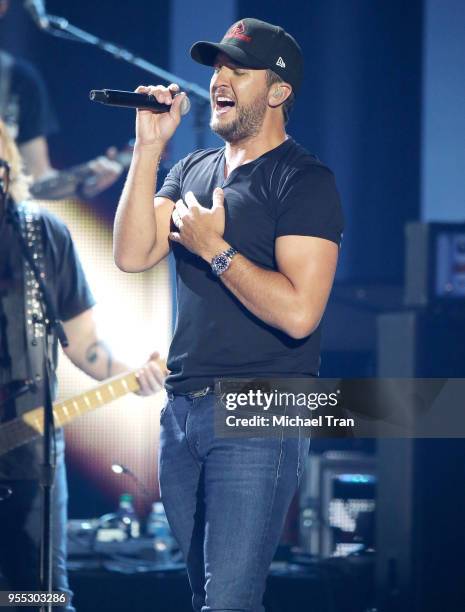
[{"x": 222, "y": 164}]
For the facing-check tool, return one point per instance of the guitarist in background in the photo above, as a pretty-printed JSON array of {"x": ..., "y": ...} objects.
[
  {"x": 20, "y": 517},
  {"x": 26, "y": 109}
]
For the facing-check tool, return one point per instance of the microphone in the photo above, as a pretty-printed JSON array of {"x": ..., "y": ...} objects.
[
  {"x": 119, "y": 468},
  {"x": 36, "y": 8},
  {"x": 129, "y": 99}
]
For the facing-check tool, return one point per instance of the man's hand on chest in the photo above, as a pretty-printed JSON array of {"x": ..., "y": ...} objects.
[{"x": 200, "y": 229}]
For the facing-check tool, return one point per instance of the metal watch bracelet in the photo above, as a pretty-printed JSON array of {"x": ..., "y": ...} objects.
[{"x": 220, "y": 263}]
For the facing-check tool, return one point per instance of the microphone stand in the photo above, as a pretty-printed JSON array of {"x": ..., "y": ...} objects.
[
  {"x": 61, "y": 28},
  {"x": 47, "y": 472}
]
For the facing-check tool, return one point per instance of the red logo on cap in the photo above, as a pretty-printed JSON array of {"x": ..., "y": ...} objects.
[{"x": 238, "y": 31}]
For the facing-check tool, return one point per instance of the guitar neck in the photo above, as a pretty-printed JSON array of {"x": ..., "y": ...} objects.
[
  {"x": 64, "y": 183},
  {"x": 31, "y": 424},
  {"x": 84, "y": 170},
  {"x": 67, "y": 411}
]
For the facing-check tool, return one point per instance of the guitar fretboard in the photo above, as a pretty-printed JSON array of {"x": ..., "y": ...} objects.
[{"x": 30, "y": 425}]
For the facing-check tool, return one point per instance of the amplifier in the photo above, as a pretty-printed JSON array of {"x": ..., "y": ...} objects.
[{"x": 337, "y": 503}]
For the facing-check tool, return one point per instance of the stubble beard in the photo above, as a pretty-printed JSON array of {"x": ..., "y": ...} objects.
[{"x": 246, "y": 124}]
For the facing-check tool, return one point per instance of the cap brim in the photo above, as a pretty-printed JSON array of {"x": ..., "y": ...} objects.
[{"x": 205, "y": 53}]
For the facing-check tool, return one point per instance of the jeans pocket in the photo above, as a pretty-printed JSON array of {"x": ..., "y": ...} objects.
[{"x": 164, "y": 408}]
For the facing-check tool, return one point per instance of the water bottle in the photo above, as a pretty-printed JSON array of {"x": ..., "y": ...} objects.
[
  {"x": 158, "y": 528},
  {"x": 127, "y": 517}
]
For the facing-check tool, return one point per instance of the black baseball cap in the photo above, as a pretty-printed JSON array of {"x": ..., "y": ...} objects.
[{"x": 256, "y": 44}]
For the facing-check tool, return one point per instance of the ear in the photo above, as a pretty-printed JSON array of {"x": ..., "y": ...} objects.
[{"x": 279, "y": 92}]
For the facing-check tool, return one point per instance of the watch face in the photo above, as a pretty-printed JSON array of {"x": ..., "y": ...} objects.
[{"x": 220, "y": 264}]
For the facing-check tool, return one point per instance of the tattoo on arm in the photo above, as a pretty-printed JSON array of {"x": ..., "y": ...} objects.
[{"x": 98, "y": 350}]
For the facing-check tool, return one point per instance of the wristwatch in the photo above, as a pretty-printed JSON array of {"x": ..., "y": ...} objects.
[{"x": 220, "y": 263}]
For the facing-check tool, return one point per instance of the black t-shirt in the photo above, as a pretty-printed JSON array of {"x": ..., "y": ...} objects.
[
  {"x": 27, "y": 110},
  {"x": 286, "y": 191},
  {"x": 71, "y": 296}
]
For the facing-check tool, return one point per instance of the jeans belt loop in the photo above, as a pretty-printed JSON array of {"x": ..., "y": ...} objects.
[
  {"x": 191, "y": 394},
  {"x": 200, "y": 393}
]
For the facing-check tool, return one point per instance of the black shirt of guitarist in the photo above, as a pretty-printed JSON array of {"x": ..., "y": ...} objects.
[
  {"x": 26, "y": 109},
  {"x": 72, "y": 296}
]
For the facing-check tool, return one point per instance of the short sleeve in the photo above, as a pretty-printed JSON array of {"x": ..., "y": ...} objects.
[
  {"x": 171, "y": 188},
  {"x": 309, "y": 205},
  {"x": 36, "y": 117},
  {"x": 72, "y": 292}
]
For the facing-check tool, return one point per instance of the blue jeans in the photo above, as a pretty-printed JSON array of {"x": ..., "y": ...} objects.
[
  {"x": 226, "y": 500},
  {"x": 20, "y": 529}
]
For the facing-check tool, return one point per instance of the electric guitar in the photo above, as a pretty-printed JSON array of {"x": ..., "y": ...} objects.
[
  {"x": 65, "y": 183},
  {"x": 30, "y": 425}
]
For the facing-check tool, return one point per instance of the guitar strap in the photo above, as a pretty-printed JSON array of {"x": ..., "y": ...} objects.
[
  {"x": 23, "y": 462},
  {"x": 31, "y": 230}
]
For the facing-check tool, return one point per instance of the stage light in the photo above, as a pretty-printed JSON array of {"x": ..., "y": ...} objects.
[{"x": 133, "y": 314}]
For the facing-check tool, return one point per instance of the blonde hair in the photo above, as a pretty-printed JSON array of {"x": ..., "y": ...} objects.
[{"x": 19, "y": 181}]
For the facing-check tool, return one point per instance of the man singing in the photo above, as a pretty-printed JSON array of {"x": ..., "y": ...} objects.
[{"x": 256, "y": 231}]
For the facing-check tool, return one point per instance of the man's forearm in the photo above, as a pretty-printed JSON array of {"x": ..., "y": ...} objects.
[
  {"x": 90, "y": 353},
  {"x": 135, "y": 230},
  {"x": 268, "y": 294},
  {"x": 97, "y": 360}
]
